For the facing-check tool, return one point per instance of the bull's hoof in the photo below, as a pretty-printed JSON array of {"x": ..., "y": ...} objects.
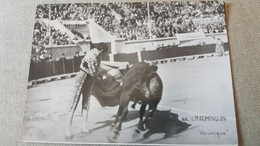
[
  {"x": 137, "y": 131},
  {"x": 167, "y": 135},
  {"x": 133, "y": 106},
  {"x": 147, "y": 134},
  {"x": 141, "y": 127},
  {"x": 116, "y": 133},
  {"x": 112, "y": 127}
]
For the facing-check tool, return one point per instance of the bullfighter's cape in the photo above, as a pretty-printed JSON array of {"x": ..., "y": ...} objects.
[{"x": 108, "y": 91}]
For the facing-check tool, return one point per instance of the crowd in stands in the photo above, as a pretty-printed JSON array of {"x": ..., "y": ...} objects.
[
  {"x": 45, "y": 35},
  {"x": 100, "y": 12},
  {"x": 169, "y": 18},
  {"x": 70, "y": 11},
  {"x": 40, "y": 54},
  {"x": 130, "y": 20},
  {"x": 42, "y": 11},
  {"x": 40, "y": 34},
  {"x": 133, "y": 21},
  {"x": 59, "y": 38}
]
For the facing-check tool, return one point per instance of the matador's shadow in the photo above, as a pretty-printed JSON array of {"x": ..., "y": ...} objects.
[{"x": 162, "y": 122}]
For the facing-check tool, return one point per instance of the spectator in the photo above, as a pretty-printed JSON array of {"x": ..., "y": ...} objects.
[
  {"x": 49, "y": 57},
  {"x": 63, "y": 58},
  {"x": 220, "y": 48},
  {"x": 77, "y": 61},
  {"x": 35, "y": 59},
  {"x": 42, "y": 56}
]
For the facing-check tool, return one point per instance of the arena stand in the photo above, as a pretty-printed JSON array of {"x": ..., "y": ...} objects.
[
  {"x": 121, "y": 20},
  {"x": 42, "y": 11},
  {"x": 130, "y": 20}
]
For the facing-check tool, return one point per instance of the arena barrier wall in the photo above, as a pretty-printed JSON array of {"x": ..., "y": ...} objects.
[
  {"x": 175, "y": 51},
  {"x": 51, "y": 68},
  {"x": 69, "y": 66},
  {"x": 132, "y": 46},
  {"x": 131, "y": 58},
  {"x": 67, "y": 50}
]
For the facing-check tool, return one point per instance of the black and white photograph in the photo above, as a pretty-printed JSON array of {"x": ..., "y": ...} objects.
[{"x": 150, "y": 73}]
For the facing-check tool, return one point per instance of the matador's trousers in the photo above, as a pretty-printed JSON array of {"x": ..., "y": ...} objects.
[{"x": 83, "y": 84}]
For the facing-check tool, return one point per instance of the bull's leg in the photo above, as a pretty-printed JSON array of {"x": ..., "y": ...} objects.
[
  {"x": 120, "y": 121},
  {"x": 122, "y": 113},
  {"x": 141, "y": 112},
  {"x": 152, "y": 109},
  {"x": 124, "y": 101},
  {"x": 117, "y": 117},
  {"x": 148, "y": 133},
  {"x": 115, "y": 126},
  {"x": 123, "y": 116},
  {"x": 135, "y": 101}
]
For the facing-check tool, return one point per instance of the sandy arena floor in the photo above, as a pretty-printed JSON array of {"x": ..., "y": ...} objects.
[{"x": 193, "y": 90}]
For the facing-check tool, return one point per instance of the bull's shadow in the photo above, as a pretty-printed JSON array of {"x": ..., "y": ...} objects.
[
  {"x": 162, "y": 122},
  {"x": 165, "y": 122}
]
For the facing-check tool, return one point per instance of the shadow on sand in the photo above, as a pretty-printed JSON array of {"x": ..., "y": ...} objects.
[
  {"x": 132, "y": 115},
  {"x": 165, "y": 122},
  {"x": 162, "y": 122}
]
